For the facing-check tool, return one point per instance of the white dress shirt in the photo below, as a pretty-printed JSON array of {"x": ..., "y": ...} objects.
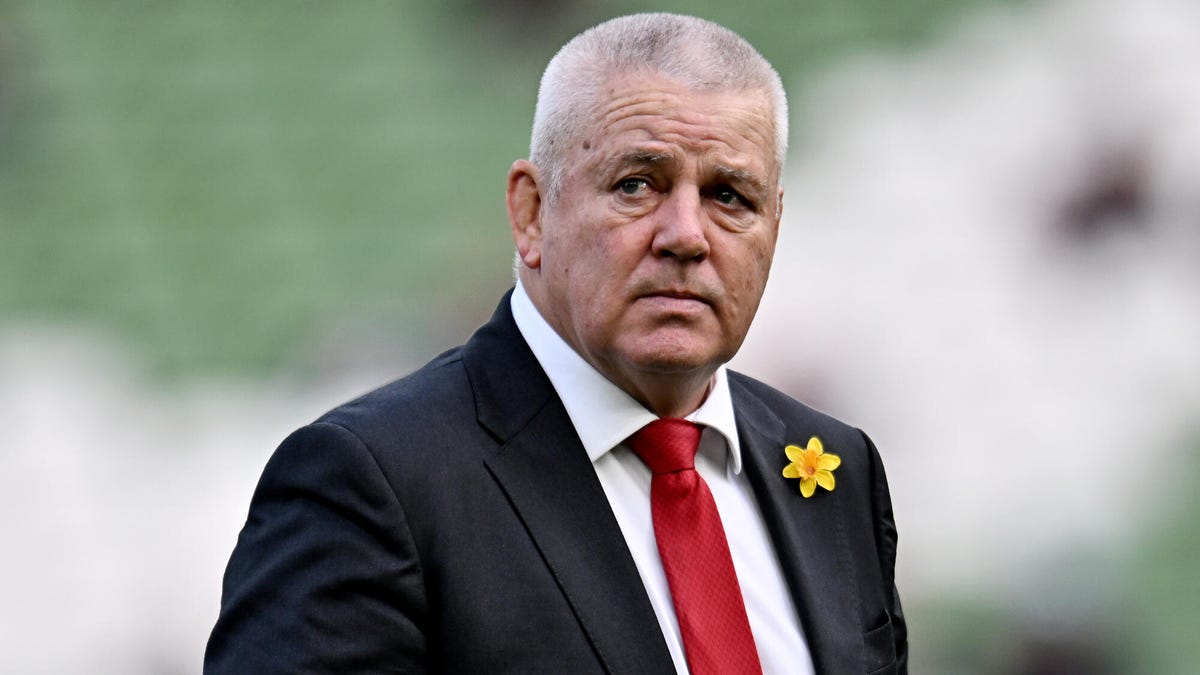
[{"x": 604, "y": 416}]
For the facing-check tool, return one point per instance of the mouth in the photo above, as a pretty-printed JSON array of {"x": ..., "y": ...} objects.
[
  {"x": 679, "y": 295},
  {"x": 676, "y": 300}
]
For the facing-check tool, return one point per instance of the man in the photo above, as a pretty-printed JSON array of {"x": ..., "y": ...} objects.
[{"x": 529, "y": 502}]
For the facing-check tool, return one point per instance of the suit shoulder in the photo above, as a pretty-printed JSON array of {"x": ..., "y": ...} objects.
[
  {"x": 784, "y": 405},
  {"x": 437, "y": 391}
]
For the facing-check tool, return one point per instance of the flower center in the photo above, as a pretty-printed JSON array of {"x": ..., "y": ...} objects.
[{"x": 810, "y": 470}]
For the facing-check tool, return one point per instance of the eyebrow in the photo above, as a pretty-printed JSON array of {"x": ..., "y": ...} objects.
[
  {"x": 638, "y": 158},
  {"x": 645, "y": 158},
  {"x": 742, "y": 176}
]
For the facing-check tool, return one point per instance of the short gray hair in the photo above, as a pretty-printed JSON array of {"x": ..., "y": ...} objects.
[{"x": 697, "y": 53}]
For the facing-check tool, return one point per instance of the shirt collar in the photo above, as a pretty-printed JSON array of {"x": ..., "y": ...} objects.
[{"x": 603, "y": 414}]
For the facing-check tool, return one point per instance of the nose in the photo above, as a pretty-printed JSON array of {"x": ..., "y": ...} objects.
[{"x": 680, "y": 228}]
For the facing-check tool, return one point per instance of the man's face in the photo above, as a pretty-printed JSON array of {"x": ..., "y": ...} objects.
[{"x": 654, "y": 253}]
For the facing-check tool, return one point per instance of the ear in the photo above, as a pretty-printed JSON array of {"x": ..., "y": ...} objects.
[
  {"x": 778, "y": 218},
  {"x": 524, "y": 201}
]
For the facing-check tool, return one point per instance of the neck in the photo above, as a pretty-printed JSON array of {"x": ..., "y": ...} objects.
[{"x": 669, "y": 395}]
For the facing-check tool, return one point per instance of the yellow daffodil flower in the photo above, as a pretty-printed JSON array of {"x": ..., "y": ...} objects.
[{"x": 812, "y": 465}]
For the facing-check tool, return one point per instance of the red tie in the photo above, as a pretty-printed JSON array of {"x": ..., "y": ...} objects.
[{"x": 695, "y": 555}]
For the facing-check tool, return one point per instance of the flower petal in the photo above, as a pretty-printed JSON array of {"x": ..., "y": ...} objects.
[
  {"x": 794, "y": 452},
  {"x": 814, "y": 445},
  {"x": 808, "y": 486},
  {"x": 825, "y": 479},
  {"x": 828, "y": 462},
  {"x": 791, "y": 471}
]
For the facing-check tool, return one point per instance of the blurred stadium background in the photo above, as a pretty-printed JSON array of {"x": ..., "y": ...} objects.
[{"x": 219, "y": 219}]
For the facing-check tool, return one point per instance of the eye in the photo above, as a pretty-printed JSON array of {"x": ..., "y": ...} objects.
[
  {"x": 729, "y": 197},
  {"x": 632, "y": 186}
]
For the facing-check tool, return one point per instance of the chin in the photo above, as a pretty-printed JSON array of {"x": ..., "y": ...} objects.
[{"x": 675, "y": 359}]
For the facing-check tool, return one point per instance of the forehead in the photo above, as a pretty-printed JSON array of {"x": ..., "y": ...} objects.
[{"x": 653, "y": 115}]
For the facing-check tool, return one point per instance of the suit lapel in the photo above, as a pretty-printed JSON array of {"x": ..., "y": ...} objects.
[
  {"x": 809, "y": 537},
  {"x": 543, "y": 469}
]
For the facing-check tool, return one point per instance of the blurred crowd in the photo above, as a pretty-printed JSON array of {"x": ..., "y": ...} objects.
[{"x": 990, "y": 260}]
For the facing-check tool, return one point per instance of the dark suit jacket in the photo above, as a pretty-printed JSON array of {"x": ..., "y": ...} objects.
[{"x": 451, "y": 522}]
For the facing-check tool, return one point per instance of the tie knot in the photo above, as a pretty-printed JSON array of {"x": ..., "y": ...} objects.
[{"x": 667, "y": 445}]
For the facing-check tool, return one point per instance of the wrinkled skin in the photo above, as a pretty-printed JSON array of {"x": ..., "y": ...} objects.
[{"x": 651, "y": 259}]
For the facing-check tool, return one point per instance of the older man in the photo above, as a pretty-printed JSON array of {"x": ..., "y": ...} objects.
[{"x": 583, "y": 487}]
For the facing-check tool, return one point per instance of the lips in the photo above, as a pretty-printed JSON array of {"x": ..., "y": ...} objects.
[
  {"x": 676, "y": 300},
  {"x": 679, "y": 295}
]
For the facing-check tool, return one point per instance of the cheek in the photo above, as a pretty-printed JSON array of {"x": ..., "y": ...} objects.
[
  {"x": 764, "y": 253},
  {"x": 749, "y": 265}
]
